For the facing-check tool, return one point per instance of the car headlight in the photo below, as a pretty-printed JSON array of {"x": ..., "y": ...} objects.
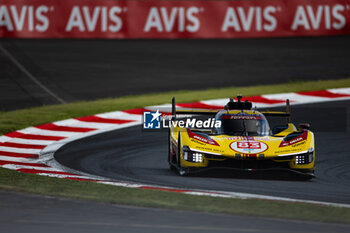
[
  {"x": 305, "y": 158},
  {"x": 192, "y": 156}
]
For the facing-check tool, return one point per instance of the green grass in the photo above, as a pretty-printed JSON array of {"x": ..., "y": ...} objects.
[
  {"x": 15, "y": 181},
  {"x": 11, "y": 180}
]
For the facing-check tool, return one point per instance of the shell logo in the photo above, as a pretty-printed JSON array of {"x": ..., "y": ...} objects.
[{"x": 249, "y": 147}]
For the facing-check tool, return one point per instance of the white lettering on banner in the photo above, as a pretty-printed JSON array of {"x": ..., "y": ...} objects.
[
  {"x": 35, "y": 18},
  {"x": 333, "y": 17},
  {"x": 187, "y": 19},
  {"x": 75, "y": 20},
  {"x": 30, "y": 19},
  {"x": 239, "y": 18},
  {"x": 81, "y": 16},
  {"x": 246, "y": 19},
  {"x": 5, "y": 18},
  {"x": 231, "y": 20},
  {"x": 190, "y": 13},
  {"x": 338, "y": 16},
  {"x": 18, "y": 20},
  {"x": 39, "y": 13},
  {"x": 153, "y": 20},
  {"x": 91, "y": 21},
  {"x": 268, "y": 11}
]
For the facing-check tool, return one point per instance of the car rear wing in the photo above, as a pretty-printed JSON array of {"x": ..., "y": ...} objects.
[{"x": 175, "y": 112}]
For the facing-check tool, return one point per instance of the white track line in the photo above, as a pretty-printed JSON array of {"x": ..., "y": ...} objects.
[
  {"x": 344, "y": 91},
  {"x": 25, "y": 141},
  {"x": 82, "y": 124},
  {"x": 266, "y": 197},
  {"x": 31, "y": 77},
  {"x": 19, "y": 150},
  {"x": 16, "y": 167},
  {"x": 66, "y": 176},
  {"x": 18, "y": 159},
  {"x": 223, "y": 102},
  {"x": 296, "y": 98},
  {"x": 120, "y": 116},
  {"x": 43, "y": 132},
  {"x": 216, "y": 102},
  {"x": 4, "y": 138}
]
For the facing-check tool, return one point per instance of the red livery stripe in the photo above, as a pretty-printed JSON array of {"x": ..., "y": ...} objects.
[
  {"x": 54, "y": 127},
  {"x": 19, "y": 155},
  {"x": 33, "y": 136},
  {"x": 3, "y": 162},
  {"x": 103, "y": 120},
  {"x": 199, "y": 105},
  {"x": 20, "y": 145},
  {"x": 323, "y": 93},
  {"x": 34, "y": 171}
]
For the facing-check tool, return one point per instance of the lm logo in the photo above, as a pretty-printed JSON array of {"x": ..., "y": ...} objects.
[{"x": 151, "y": 120}]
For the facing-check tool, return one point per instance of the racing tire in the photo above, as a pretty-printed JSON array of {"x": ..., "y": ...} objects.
[
  {"x": 171, "y": 165},
  {"x": 181, "y": 170}
]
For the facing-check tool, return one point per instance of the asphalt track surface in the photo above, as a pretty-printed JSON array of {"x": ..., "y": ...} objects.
[
  {"x": 91, "y": 69},
  {"x": 134, "y": 155},
  {"x": 54, "y": 215}
]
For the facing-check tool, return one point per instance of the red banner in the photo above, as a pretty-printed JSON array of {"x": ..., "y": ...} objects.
[{"x": 172, "y": 19}]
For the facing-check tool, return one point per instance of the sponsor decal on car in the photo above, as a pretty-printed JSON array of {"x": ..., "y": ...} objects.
[
  {"x": 295, "y": 140},
  {"x": 198, "y": 137},
  {"x": 233, "y": 138},
  {"x": 249, "y": 147},
  {"x": 241, "y": 117}
]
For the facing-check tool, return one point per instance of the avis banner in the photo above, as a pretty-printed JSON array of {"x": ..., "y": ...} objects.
[{"x": 173, "y": 19}]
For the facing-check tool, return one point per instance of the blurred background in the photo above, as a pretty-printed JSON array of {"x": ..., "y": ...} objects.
[{"x": 53, "y": 52}]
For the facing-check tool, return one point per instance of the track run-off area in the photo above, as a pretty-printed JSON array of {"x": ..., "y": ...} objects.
[{"x": 111, "y": 148}]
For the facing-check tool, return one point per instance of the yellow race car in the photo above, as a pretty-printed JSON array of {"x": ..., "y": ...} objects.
[{"x": 238, "y": 137}]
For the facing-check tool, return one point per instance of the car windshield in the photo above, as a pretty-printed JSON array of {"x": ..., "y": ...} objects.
[{"x": 243, "y": 124}]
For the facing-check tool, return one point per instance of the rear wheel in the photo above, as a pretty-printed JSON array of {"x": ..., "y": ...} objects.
[{"x": 170, "y": 155}]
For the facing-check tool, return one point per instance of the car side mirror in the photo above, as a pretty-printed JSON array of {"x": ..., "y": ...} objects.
[{"x": 302, "y": 126}]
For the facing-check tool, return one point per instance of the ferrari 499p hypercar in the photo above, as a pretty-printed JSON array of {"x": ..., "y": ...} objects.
[{"x": 239, "y": 138}]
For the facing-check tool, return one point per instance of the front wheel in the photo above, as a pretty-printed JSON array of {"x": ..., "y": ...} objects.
[{"x": 181, "y": 170}]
